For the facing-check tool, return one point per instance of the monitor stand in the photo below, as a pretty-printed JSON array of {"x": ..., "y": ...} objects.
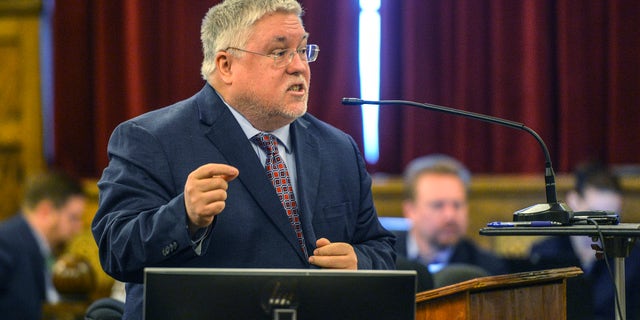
[
  {"x": 619, "y": 248},
  {"x": 285, "y": 314}
]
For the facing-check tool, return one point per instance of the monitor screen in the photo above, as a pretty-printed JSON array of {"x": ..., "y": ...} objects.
[{"x": 282, "y": 294}]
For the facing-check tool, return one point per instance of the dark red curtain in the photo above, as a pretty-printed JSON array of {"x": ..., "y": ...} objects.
[
  {"x": 569, "y": 69},
  {"x": 115, "y": 60}
]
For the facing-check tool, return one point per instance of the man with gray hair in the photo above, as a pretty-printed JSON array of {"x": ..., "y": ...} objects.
[
  {"x": 239, "y": 175},
  {"x": 436, "y": 188}
]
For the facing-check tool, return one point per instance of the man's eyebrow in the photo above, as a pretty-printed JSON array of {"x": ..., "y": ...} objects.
[{"x": 284, "y": 39}]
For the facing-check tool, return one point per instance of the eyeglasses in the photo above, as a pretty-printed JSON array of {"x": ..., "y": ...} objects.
[{"x": 282, "y": 58}]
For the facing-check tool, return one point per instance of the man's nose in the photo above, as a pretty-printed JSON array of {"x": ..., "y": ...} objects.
[{"x": 297, "y": 63}]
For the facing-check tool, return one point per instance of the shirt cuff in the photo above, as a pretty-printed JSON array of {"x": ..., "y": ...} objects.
[{"x": 198, "y": 238}]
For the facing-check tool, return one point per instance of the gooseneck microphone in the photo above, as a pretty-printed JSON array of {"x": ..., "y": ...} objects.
[{"x": 553, "y": 210}]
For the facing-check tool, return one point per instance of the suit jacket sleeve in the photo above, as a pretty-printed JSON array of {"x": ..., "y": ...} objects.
[{"x": 139, "y": 222}]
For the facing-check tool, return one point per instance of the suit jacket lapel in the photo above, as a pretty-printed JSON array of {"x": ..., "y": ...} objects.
[
  {"x": 307, "y": 149},
  {"x": 227, "y": 135}
]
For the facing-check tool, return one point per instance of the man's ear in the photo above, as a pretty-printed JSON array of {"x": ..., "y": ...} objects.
[
  {"x": 223, "y": 66},
  {"x": 44, "y": 209},
  {"x": 407, "y": 209}
]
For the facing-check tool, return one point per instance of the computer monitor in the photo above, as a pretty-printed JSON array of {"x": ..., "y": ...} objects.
[{"x": 282, "y": 294}]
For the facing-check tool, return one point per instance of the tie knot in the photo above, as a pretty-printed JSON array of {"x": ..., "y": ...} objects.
[{"x": 267, "y": 142}]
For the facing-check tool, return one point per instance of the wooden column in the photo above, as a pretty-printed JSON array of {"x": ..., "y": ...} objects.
[{"x": 20, "y": 106}]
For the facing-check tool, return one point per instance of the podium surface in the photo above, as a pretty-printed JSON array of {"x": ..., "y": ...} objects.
[
  {"x": 624, "y": 230},
  {"x": 525, "y": 295}
]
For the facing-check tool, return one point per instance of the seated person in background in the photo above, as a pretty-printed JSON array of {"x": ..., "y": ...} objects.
[
  {"x": 424, "y": 278},
  {"x": 435, "y": 203},
  {"x": 51, "y": 215},
  {"x": 596, "y": 188}
]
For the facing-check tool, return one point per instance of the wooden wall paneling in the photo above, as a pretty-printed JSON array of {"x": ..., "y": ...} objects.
[
  {"x": 496, "y": 198},
  {"x": 21, "y": 150}
]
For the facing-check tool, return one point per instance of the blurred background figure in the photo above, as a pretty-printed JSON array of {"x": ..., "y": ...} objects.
[
  {"x": 591, "y": 296},
  {"x": 51, "y": 215},
  {"x": 436, "y": 205}
]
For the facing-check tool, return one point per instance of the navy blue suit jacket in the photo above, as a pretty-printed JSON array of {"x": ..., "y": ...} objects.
[
  {"x": 141, "y": 221},
  {"x": 22, "y": 283}
]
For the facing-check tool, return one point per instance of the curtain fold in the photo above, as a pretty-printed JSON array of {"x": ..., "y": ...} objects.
[{"x": 568, "y": 69}]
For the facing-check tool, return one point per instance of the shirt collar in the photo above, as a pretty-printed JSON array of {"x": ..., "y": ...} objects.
[{"x": 413, "y": 252}]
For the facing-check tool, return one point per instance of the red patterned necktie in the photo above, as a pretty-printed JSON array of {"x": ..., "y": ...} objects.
[{"x": 279, "y": 176}]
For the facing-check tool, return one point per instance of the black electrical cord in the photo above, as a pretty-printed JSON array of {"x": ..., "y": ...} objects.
[{"x": 606, "y": 261}]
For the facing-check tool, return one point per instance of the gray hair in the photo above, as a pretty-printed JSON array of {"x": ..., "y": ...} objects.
[
  {"x": 229, "y": 24},
  {"x": 435, "y": 163}
]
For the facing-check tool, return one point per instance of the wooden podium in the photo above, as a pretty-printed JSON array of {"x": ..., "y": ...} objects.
[{"x": 525, "y": 295}]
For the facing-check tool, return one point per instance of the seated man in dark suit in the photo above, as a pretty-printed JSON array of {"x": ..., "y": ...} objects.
[
  {"x": 436, "y": 204},
  {"x": 51, "y": 215},
  {"x": 591, "y": 296}
]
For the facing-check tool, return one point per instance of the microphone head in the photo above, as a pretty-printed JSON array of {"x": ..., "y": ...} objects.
[{"x": 352, "y": 101}]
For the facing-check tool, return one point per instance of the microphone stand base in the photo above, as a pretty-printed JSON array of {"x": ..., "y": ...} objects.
[{"x": 558, "y": 212}]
